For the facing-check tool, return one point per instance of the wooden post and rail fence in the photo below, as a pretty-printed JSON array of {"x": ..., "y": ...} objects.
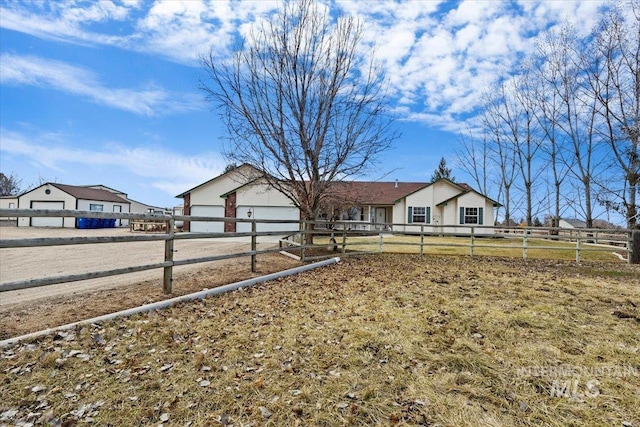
[{"x": 333, "y": 236}]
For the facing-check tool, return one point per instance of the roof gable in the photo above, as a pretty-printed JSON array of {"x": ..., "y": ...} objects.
[
  {"x": 467, "y": 191},
  {"x": 461, "y": 186},
  {"x": 250, "y": 182},
  {"x": 247, "y": 169}
]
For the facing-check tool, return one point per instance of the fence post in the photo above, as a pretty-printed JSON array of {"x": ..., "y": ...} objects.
[
  {"x": 472, "y": 240},
  {"x": 578, "y": 247},
  {"x": 421, "y": 241},
  {"x": 525, "y": 245},
  {"x": 303, "y": 239},
  {"x": 168, "y": 257},
  {"x": 253, "y": 246},
  {"x": 344, "y": 240},
  {"x": 634, "y": 248},
  {"x": 332, "y": 241},
  {"x": 380, "y": 243}
]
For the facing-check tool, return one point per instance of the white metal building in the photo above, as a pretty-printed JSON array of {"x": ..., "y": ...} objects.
[{"x": 54, "y": 196}]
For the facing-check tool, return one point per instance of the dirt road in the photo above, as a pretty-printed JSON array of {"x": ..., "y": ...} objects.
[{"x": 38, "y": 262}]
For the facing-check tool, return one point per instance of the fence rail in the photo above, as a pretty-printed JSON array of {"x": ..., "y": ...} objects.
[
  {"x": 478, "y": 237},
  {"x": 341, "y": 236}
]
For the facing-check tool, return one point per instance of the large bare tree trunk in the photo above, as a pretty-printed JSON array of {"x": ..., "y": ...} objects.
[{"x": 502, "y": 154}]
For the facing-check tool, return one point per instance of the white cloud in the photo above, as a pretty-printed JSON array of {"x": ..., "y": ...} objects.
[
  {"x": 471, "y": 11},
  {"x": 165, "y": 170},
  {"x": 541, "y": 13},
  {"x": 64, "y": 20},
  {"x": 439, "y": 75},
  {"x": 47, "y": 73},
  {"x": 439, "y": 56},
  {"x": 180, "y": 31}
]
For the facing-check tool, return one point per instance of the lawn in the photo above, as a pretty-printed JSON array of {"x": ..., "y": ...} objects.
[
  {"x": 377, "y": 339},
  {"x": 537, "y": 248}
]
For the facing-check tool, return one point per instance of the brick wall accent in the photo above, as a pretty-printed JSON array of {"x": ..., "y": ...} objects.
[
  {"x": 230, "y": 212},
  {"x": 186, "y": 210}
]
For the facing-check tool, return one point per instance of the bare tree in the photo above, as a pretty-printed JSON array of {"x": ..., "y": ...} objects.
[
  {"x": 10, "y": 185},
  {"x": 300, "y": 103},
  {"x": 472, "y": 156},
  {"x": 579, "y": 105},
  {"x": 578, "y": 113},
  {"x": 548, "y": 115},
  {"x": 503, "y": 152},
  {"x": 518, "y": 116},
  {"x": 616, "y": 85}
]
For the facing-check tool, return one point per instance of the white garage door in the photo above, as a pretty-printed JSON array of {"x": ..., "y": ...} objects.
[
  {"x": 46, "y": 221},
  {"x": 269, "y": 212},
  {"x": 207, "y": 227}
]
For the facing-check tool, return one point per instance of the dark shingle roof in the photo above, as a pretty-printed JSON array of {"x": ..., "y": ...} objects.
[
  {"x": 372, "y": 192},
  {"x": 86, "y": 193}
]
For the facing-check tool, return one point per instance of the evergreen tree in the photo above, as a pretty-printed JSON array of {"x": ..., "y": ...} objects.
[
  {"x": 442, "y": 172},
  {"x": 230, "y": 167}
]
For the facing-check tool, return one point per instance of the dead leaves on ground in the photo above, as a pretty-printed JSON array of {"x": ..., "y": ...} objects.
[{"x": 376, "y": 340}]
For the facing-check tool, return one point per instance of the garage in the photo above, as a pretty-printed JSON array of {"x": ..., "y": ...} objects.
[
  {"x": 56, "y": 196},
  {"x": 207, "y": 226},
  {"x": 238, "y": 193},
  {"x": 269, "y": 212},
  {"x": 47, "y": 221}
]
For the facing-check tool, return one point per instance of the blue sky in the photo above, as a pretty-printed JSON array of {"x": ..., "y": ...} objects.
[{"x": 107, "y": 92}]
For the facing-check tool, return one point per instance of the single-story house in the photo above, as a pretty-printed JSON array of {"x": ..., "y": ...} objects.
[
  {"x": 413, "y": 206},
  {"x": 56, "y": 196},
  {"x": 410, "y": 206}
]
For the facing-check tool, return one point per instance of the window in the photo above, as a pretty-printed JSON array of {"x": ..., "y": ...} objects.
[
  {"x": 95, "y": 207},
  {"x": 471, "y": 216},
  {"x": 419, "y": 215}
]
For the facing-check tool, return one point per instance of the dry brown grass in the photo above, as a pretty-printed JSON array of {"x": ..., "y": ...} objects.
[
  {"x": 379, "y": 339},
  {"x": 537, "y": 248}
]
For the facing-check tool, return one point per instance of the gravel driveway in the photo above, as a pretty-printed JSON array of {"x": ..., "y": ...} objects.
[{"x": 38, "y": 262}]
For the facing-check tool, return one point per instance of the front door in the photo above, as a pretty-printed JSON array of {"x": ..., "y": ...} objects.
[{"x": 381, "y": 217}]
